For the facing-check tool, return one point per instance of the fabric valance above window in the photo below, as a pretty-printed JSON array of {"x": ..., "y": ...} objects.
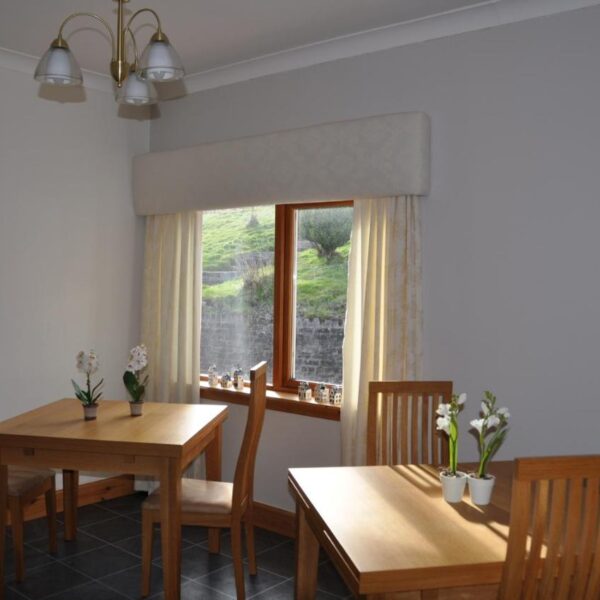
[{"x": 379, "y": 156}]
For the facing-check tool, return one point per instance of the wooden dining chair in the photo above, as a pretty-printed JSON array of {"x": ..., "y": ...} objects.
[
  {"x": 216, "y": 503},
  {"x": 553, "y": 550},
  {"x": 401, "y": 425},
  {"x": 25, "y": 486}
]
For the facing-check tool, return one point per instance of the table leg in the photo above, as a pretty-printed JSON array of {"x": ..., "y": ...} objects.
[
  {"x": 307, "y": 557},
  {"x": 4, "y": 505},
  {"x": 70, "y": 496},
  {"x": 213, "y": 473},
  {"x": 170, "y": 527}
]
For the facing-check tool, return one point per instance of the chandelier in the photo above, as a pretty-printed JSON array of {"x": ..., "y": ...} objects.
[{"x": 135, "y": 76}]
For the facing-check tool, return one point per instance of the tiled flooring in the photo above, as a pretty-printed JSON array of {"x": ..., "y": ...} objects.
[{"x": 104, "y": 562}]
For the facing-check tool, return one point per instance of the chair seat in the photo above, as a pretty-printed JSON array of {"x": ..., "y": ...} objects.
[
  {"x": 22, "y": 479},
  {"x": 199, "y": 496}
]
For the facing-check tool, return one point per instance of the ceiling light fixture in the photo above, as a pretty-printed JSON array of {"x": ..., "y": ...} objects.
[{"x": 159, "y": 61}]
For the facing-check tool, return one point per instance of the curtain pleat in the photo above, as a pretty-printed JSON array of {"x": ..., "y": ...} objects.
[
  {"x": 383, "y": 332},
  {"x": 171, "y": 308}
]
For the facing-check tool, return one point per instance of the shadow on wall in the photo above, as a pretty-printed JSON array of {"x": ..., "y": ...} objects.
[
  {"x": 65, "y": 94},
  {"x": 169, "y": 90},
  {"x": 77, "y": 94}
]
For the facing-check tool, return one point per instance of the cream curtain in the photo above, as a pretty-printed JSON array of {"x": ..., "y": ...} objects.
[
  {"x": 171, "y": 310},
  {"x": 384, "y": 314}
]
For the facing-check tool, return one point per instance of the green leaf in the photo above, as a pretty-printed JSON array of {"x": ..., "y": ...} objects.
[{"x": 97, "y": 386}]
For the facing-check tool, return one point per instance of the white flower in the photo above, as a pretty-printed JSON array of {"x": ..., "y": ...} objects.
[
  {"x": 477, "y": 424},
  {"x": 504, "y": 412},
  {"x": 443, "y": 410},
  {"x": 443, "y": 423},
  {"x": 493, "y": 421},
  {"x": 81, "y": 361},
  {"x": 462, "y": 398},
  {"x": 138, "y": 359},
  {"x": 87, "y": 362},
  {"x": 485, "y": 409}
]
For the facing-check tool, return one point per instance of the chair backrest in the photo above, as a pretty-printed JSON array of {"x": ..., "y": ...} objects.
[
  {"x": 401, "y": 426},
  {"x": 553, "y": 548},
  {"x": 243, "y": 481}
]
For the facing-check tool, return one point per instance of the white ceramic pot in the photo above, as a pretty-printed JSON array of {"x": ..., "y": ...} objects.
[
  {"x": 90, "y": 412},
  {"x": 481, "y": 489},
  {"x": 453, "y": 486},
  {"x": 136, "y": 408}
]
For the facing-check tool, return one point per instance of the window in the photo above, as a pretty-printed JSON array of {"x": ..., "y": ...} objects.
[{"x": 274, "y": 289}]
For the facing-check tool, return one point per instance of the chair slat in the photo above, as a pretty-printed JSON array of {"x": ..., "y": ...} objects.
[
  {"x": 404, "y": 429},
  {"x": 567, "y": 563},
  {"x": 425, "y": 458},
  {"x": 517, "y": 539},
  {"x": 444, "y": 446},
  {"x": 589, "y": 532},
  {"x": 537, "y": 538},
  {"x": 414, "y": 430},
  {"x": 593, "y": 587},
  {"x": 395, "y": 427},
  {"x": 372, "y": 426},
  {"x": 384, "y": 429}
]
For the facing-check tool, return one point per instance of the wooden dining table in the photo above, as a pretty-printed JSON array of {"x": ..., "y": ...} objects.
[
  {"x": 387, "y": 529},
  {"x": 161, "y": 443}
]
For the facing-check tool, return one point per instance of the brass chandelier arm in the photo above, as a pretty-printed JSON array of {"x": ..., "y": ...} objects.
[
  {"x": 134, "y": 46},
  {"x": 143, "y": 10},
  {"x": 93, "y": 16}
]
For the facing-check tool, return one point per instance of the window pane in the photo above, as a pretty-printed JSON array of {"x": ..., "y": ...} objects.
[
  {"x": 237, "y": 288},
  {"x": 322, "y": 248}
]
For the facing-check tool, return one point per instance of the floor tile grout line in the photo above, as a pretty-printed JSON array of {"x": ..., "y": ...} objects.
[
  {"x": 76, "y": 587},
  {"x": 214, "y": 589},
  {"x": 268, "y": 589}
]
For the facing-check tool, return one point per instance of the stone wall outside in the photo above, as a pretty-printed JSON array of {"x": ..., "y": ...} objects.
[{"x": 231, "y": 338}]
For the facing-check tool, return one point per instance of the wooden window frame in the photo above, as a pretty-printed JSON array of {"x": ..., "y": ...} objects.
[
  {"x": 282, "y": 394},
  {"x": 283, "y": 307}
]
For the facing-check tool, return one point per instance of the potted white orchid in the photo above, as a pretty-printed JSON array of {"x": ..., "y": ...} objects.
[
  {"x": 134, "y": 380},
  {"x": 453, "y": 481},
  {"x": 491, "y": 429},
  {"x": 87, "y": 363}
]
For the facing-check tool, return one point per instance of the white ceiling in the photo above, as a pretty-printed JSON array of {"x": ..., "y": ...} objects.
[{"x": 210, "y": 33}]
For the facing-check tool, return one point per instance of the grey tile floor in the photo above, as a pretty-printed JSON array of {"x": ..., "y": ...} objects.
[{"x": 104, "y": 562}]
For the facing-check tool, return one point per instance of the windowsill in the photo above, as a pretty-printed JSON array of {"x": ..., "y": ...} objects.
[{"x": 280, "y": 401}]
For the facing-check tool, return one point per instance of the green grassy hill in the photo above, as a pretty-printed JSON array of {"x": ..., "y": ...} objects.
[{"x": 229, "y": 235}]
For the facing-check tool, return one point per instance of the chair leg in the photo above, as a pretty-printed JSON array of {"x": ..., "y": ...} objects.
[
  {"x": 250, "y": 548},
  {"x": 147, "y": 533},
  {"x": 238, "y": 565},
  {"x": 16, "y": 521},
  {"x": 51, "y": 516}
]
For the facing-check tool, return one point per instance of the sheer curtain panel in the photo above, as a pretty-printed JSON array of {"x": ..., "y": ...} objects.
[
  {"x": 384, "y": 312},
  {"x": 172, "y": 304}
]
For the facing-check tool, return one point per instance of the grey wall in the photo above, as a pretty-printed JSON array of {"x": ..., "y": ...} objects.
[
  {"x": 510, "y": 230},
  {"x": 71, "y": 247}
]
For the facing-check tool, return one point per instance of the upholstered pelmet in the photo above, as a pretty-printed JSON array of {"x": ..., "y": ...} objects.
[{"x": 377, "y": 156}]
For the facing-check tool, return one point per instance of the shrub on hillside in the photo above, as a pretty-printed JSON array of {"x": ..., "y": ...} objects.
[{"x": 326, "y": 229}]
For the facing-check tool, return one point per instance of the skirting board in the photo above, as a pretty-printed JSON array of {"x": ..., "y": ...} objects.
[
  {"x": 274, "y": 519},
  {"x": 89, "y": 493}
]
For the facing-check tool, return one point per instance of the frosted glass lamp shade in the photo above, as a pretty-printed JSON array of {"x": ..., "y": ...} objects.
[
  {"x": 58, "y": 67},
  {"x": 136, "y": 91},
  {"x": 160, "y": 62}
]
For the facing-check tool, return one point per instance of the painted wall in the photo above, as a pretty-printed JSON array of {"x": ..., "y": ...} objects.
[
  {"x": 510, "y": 230},
  {"x": 71, "y": 248}
]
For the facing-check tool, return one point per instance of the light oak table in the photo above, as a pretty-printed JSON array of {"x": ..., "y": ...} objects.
[
  {"x": 162, "y": 443},
  {"x": 388, "y": 529}
]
